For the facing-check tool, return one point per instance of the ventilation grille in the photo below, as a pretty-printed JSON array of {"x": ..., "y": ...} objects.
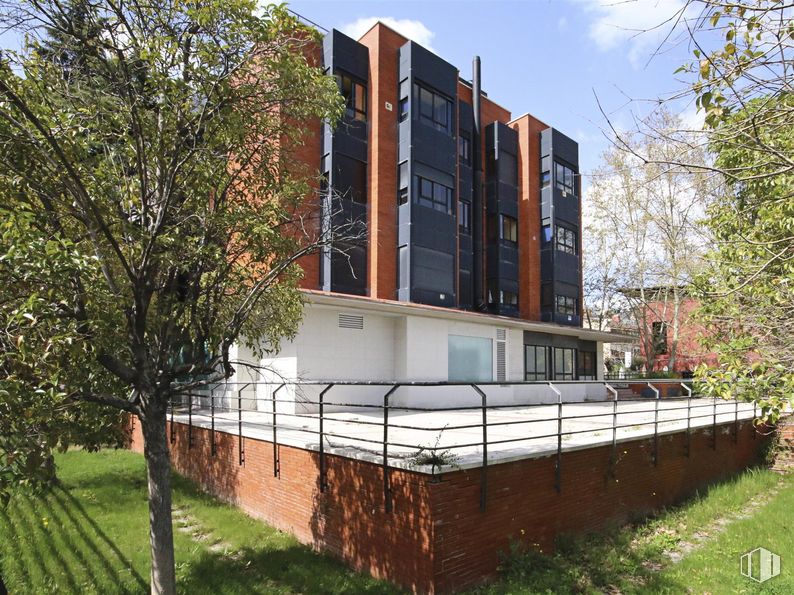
[
  {"x": 354, "y": 321},
  {"x": 501, "y": 334},
  {"x": 501, "y": 362}
]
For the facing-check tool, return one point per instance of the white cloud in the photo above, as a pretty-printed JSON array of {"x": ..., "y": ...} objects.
[
  {"x": 639, "y": 25},
  {"x": 412, "y": 29}
]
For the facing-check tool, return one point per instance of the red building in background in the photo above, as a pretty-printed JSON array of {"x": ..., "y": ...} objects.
[{"x": 669, "y": 332}]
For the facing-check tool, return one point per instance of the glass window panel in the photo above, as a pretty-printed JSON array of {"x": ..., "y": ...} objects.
[
  {"x": 441, "y": 115},
  {"x": 470, "y": 359},
  {"x": 426, "y": 103},
  {"x": 426, "y": 188}
]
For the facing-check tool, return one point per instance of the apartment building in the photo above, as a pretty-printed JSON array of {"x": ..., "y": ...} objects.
[{"x": 472, "y": 265}]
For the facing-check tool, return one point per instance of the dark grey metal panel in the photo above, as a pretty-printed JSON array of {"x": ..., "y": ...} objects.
[
  {"x": 550, "y": 340},
  {"x": 465, "y": 116},
  {"x": 350, "y": 146},
  {"x": 566, "y": 208},
  {"x": 344, "y": 267},
  {"x": 431, "y": 235},
  {"x": 565, "y": 149},
  {"x": 433, "y": 147},
  {"x": 567, "y": 268},
  {"x": 346, "y": 54},
  {"x": 432, "y": 70}
]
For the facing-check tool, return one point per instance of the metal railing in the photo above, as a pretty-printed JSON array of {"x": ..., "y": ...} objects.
[{"x": 379, "y": 435}]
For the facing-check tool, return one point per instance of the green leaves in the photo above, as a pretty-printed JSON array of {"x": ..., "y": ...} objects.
[{"x": 152, "y": 202}]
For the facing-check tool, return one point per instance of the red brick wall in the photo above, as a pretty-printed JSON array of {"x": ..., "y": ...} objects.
[
  {"x": 522, "y": 496},
  {"x": 529, "y": 129},
  {"x": 689, "y": 353},
  {"x": 383, "y": 44},
  {"x": 436, "y": 539},
  {"x": 348, "y": 520}
]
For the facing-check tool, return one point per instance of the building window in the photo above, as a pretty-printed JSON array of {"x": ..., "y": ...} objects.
[
  {"x": 434, "y": 109},
  {"x": 404, "y": 106},
  {"x": 464, "y": 216},
  {"x": 350, "y": 178},
  {"x": 565, "y": 304},
  {"x": 587, "y": 365},
  {"x": 355, "y": 95},
  {"x": 545, "y": 234},
  {"x": 508, "y": 228},
  {"x": 402, "y": 177},
  {"x": 545, "y": 179},
  {"x": 659, "y": 336},
  {"x": 563, "y": 178},
  {"x": 508, "y": 298},
  {"x": 464, "y": 148},
  {"x": 564, "y": 360},
  {"x": 535, "y": 367},
  {"x": 565, "y": 239},
  {"x": 434, "y": 195},
  {"x": 497, "y": 297},
  {"x": 470, "y": 359}
]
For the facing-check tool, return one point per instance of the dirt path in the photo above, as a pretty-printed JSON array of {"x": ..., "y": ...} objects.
[{"x": 186, "y": 523}]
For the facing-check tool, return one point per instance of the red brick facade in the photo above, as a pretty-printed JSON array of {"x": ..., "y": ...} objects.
[
  {"x": 383, "y": 45},
  {"x": 437, "y": 539}
]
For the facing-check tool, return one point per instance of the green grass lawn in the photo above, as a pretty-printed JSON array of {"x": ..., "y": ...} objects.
[
  {"x": 90, "y": 535},
  {"x": 709, "y": 533}
]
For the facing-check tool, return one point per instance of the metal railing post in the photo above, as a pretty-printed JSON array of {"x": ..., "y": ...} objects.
[
  {"x": 212, "y": 421},
  {"x": 172, "y": 435},
  {"x": 323, "y": 483},
  {"x": 736, "y": 421},
  {"x": 189, "y": 421},
  {"x": 240, "y": 444},
  {"x": 655, "y": 424},
  {"x": 613, "y": 453},
  {"x": 276, "y": 459},
  {"x": 755, "y": 416},
  {"x": 484, "y": 468},
  {"x": 558, "y": 463},
  {"x": 387, "y": 502},
  {"x": 714, "y": 425},
  {"x": 688, "y": 389}
]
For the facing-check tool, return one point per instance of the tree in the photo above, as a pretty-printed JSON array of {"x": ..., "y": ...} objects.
[
  {"x": 740, "y": 78},
  {"x": 154, "y": 208},
  {"x": 646, "y": 215}
]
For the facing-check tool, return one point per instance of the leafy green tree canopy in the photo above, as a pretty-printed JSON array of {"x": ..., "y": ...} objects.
[{"x": 153, "y": 213}]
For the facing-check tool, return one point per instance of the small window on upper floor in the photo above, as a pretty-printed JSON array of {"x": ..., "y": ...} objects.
[
  {"x": 508, "y": 228},
  {"x": 464, "y": 216},
  {"x": 405, "y": 98},
  {"x": 434, "y": 195},
  {"x": 545, "y": 234},
  {"x": 509, "y": 298},
  {"x": 565, "y": 304},
  {"x": 464, "y": 148},
  {"x": 545, "y": 179},
  {"x": 355, "y": 95},
  {"x": 565, "y": 239},
  {"x": 564, "y": 178},
  {"x": 434, "y": 109}
]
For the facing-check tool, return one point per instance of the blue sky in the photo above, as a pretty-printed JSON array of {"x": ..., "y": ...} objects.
[{"x": 545, "y": 57}]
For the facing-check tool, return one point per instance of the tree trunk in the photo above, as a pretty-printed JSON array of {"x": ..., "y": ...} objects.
[{"x": 158, "y": 469}]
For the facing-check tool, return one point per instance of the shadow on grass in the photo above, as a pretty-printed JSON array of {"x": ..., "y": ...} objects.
[
  {"x": 294, "y": 569},
  {"x": 77, "y": 516}
]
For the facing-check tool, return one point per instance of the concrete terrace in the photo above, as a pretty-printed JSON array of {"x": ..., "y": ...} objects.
[{"x": 513, "y": 432}]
